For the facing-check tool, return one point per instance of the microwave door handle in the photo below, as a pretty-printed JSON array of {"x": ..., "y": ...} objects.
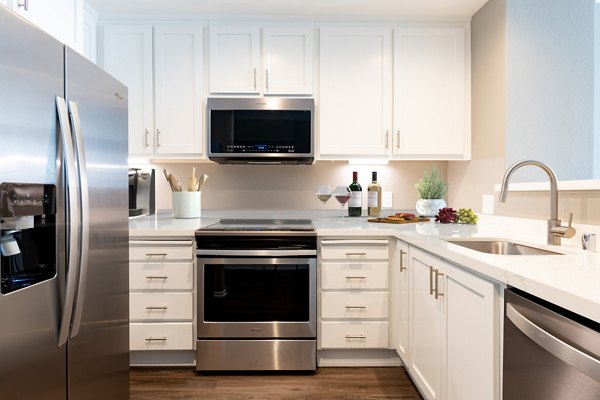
[
  {"x": 72, "y": 220},
  {"x": 579, "y": 360},
  {"x": 84, "y": 217}
]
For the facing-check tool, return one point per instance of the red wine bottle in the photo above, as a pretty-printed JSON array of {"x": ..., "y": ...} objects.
[{"x": 355, "y": 203}]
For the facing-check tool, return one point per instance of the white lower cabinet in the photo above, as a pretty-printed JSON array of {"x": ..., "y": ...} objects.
[
  {"x": 161, "y": 301},
  {"x": 399, "y": 293},
  {"x": 454, "y": 331},
  {"x": 354, "y": 294}
]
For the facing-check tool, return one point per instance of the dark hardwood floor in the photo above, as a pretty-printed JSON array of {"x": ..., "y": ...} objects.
[{"x": 326, "y": 383}]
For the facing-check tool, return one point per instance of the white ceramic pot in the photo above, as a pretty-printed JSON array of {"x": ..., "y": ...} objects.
[{"x": 429, "y": 207}]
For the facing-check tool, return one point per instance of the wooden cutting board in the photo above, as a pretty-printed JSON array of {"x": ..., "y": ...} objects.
[{"x": 397, "y": 220}]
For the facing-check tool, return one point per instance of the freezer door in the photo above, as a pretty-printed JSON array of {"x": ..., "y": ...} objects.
[
  {"x": 98, "y": 355},
  {"x": 32, "y": 366}
]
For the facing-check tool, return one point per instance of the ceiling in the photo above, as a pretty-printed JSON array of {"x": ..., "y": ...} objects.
[{"x": 313, "y": 9}]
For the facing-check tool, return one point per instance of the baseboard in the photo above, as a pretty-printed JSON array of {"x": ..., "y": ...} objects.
[
  {"x": 358, "y": 358},
  {"x": 162, "y": 358}
]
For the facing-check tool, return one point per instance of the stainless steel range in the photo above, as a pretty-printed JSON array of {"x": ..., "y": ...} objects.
[{"x": 257, "y": 296}]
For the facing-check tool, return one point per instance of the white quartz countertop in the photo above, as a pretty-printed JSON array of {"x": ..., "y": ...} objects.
[{"x": 571, "y": 280}]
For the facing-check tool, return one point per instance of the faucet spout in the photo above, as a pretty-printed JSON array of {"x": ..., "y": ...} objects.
[
  {"x": 551, "y": 175},
  {"x": 555, "y": 230}
]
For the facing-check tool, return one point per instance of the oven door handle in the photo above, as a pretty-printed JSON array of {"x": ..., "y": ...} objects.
[
  {"x": 558, "y": 348},
  {"x": 256, "y": 253}
]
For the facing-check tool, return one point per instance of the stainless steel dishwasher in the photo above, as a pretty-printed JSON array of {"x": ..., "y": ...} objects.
[{"x": 549, "y": 353}]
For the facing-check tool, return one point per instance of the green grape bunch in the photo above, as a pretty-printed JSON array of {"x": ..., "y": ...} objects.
[{"x": 466, "y": 216}]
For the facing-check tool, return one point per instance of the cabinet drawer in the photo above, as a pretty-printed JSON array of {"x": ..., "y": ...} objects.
[
  {"x": 161, "y": 306},
  {"x": 354, "y": 335},
  {"x": 160, "y": 253},
  {"x": 354, "y": 305},
  {"x": 355, "y": 250},
  {"x": 161, "y": 336},
  {"x": 161, "y": 276},
  {"x": 364, "y": 275}
]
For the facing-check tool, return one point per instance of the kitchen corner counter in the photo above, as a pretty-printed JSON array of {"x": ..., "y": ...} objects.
[{"x": 570, "y": 280}]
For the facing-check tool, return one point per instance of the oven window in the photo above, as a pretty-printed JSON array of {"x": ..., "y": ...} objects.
[{"x": 256, "y": 293}]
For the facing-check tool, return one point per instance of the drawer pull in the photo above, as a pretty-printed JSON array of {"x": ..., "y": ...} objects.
[
  {"x": 156, "y": 254},
  {"x": 356, "y": 254},
  {"x": 359, "y": 307},
  {"x": 156, "y": 339},
  {"x": 361, "y": 337},
  {"x": 156, "y": 277},
  {"x": 356, "y": 277},
  {"x": 156, "y": 308}
]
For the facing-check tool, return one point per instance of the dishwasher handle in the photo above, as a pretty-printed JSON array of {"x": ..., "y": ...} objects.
[{"x": 579, "y": 360}]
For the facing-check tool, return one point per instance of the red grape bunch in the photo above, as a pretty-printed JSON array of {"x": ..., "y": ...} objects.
[{"x": 446, "y": 215}]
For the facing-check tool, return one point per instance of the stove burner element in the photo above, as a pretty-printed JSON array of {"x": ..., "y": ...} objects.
[{"x": 261, "y": 225}]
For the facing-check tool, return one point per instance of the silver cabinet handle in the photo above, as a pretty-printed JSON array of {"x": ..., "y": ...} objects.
[
  {"x": 156, "y": 339},
  {"x": 359, "y": 307},
  {"x": 146, "y": 133},
  {"x": 398, "y": 139},
  {"x": 387, "y": 139},
  {"x": 157, "y": 138},
  {"x": 73, "y": 220},
  {"x": 267, "y": 79},
  {"x": 84, "y": 227},
  {"x": 436, "y": 289},
  {"x": 254, "y": 78},
  {"x": 156, "y": 254},
  {"x": 156, "y": 307},
  {"x": 361, "y": 337},
  {"x": 564, "y": 351},
  {"x": 356, "y": 254},
  {"x": 402, "y": 267},
  {"x": 356, "y": 277},
  {"x": 156, "y": 277},
  {"x": 24, "y": 4}
]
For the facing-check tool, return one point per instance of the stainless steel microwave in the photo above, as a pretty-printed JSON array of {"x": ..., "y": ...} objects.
[{"x": 260, "y": 130}]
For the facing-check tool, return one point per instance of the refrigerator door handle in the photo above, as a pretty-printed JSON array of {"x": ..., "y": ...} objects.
[
  {"x": 84, "y": 228},
  {"x": 72, "y": 223}
]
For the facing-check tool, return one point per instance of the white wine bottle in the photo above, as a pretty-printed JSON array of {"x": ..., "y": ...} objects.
[{"x": 374, "y": 197}]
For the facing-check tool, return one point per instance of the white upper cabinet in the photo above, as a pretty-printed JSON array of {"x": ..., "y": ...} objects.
[
  {"x": 355, "y": 67},
  {"x": 236, "y": 65},
  {"x": 178, "y": 89},
  {"x": 62, "y": 19},
  {"x": 162, "y": 68},
  {"x": 127, "y": 54},
  {"x": 234, "y": 58},
  {"x": 431, "y": 103},
  {"x": 288, "y": 60}
]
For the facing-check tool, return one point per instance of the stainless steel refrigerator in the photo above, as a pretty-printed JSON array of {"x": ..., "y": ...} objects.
[{"x": 64, "y": 307}]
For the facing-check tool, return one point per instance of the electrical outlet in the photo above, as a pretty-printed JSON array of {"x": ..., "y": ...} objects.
[{"x": 386, "y": 200}]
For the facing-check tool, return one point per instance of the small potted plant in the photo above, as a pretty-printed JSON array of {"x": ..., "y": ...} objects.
[{"x": 431, "y": 188}]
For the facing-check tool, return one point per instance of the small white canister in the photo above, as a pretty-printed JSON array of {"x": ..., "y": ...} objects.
[{"x": 187, "y": 204}]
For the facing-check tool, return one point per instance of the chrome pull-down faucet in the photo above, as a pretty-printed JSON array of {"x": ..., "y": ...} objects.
[{"x": 555, "y": 229}]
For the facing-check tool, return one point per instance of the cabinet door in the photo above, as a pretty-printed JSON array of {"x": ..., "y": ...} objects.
[
  {"x": 400, "y": 301},
  {"x": 355, "y": 92},
  {"x": 127, "y": 54},
  {"x": 472, "y": 348},
  {"x": 178, "y": 89},
  {"x": 62, "y": 19},
  {"x": 426, "y": 316},
  {"x": 288, "y": 60},
  {"x": 430, "y": 101},
  {"x": 234, "y": 59}
]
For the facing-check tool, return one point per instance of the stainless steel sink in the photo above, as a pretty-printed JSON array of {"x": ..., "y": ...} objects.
[{"x": 502, "y": 247}]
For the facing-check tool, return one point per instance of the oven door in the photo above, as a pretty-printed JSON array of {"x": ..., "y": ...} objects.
[{"x": 257, "y": 298}]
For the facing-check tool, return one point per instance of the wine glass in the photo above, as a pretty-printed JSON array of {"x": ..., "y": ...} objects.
[
  {"x": 342, "y": 195},
  {"x": 323, "y": 193}
]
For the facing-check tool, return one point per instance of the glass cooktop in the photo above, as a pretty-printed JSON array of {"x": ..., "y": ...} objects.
[{"x": 250, "y": 225}]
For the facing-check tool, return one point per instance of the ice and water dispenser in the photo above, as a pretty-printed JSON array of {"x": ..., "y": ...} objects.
[{"x": 27, "y": 235}]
